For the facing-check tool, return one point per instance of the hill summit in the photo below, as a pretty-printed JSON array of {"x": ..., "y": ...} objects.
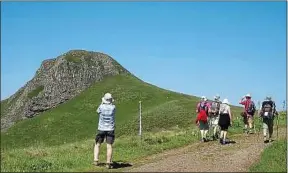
[{"x": 57, "y": 81}]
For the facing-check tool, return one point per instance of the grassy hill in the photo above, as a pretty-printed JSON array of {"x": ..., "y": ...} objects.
[{"x": 62, "y": 138}]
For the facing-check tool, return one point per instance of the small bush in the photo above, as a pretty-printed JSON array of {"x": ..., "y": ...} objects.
[
  {"x": 72, "y": 58},
  {"x": 42, "y": 165},
  {"x": 35, "y": 92}
]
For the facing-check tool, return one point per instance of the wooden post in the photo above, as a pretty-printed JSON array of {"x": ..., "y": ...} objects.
[{"x": 140, "y": 120}]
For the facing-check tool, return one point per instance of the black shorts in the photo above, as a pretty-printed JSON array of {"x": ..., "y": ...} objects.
[
  {"x": 108, "y": 135},
  {"x": 224, "y": 127}
]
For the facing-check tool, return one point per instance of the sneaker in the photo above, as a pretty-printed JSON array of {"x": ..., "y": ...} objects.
[
  {"x": 108, "y": 165},
  {"x": 266, "y": 141},
  {"x": 220, "y": 140},
  {"x": 96, "y": 163},
  {"x": 223, "y": 142},
  {"x": 244, "y": 130},
  {"x": 205, "y": 140}
]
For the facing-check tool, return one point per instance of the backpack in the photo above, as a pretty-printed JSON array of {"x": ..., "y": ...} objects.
[
  {"x": 267, "y": 109},
  {"x": 215, "y": 106},
  {"x": 222, "y": 108},
  {"x": 202, "y": 106},
  {"x": 251, "y": 108}
]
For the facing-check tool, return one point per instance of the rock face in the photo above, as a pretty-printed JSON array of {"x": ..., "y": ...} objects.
[{"x": 56, "y": 81}]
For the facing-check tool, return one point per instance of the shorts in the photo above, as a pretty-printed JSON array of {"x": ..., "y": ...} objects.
[
  {"x": 224, "y": 122},
  {"x": 224, "y": 127},
  {"x": 203, "y": 126},
  {"x": 267, "y": 123},
  {"x": 247, "y": 120},
  {"x": 109, "y": 136},
  {"x": 213, "y": 121}
]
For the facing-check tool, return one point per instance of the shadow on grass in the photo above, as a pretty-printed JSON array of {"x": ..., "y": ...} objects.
[{"x": 116, "y": 165}]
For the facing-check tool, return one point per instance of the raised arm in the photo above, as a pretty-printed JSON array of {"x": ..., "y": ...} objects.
[
  {"x": 242, "y": 101},
  {"x": 98, "y": 109}
]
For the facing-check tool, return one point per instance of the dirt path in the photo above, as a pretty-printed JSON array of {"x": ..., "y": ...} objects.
[{"x": 210, "y": 156}]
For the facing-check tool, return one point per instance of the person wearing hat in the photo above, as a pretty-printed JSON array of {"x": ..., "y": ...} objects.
[
  {"x": 106, "y": 126},
  {"x": 267, "y": 113},
  {"x": 225, "y": 120},
  {"x": 249, "y": 111},
  {"x": 213, "y": 116},
  {"x": 202, "y": 118}
]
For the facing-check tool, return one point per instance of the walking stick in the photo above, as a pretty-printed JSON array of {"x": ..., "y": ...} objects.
[{"x": 277, "y": 125}]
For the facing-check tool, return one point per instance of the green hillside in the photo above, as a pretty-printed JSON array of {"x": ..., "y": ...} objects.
[{"x": 61, "y": 139}]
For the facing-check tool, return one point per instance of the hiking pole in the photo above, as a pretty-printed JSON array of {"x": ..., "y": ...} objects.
[
  {"x": 277, "y": 125},
  {"x": 140, "y": 121}
]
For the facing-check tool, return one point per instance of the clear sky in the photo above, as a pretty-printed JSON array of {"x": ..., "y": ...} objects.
[{"x": 197, "y": 48}]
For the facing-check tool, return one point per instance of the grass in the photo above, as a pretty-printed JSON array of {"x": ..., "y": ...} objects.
[
  {"x": 35, "y": 92},
  {"x": 72, "y": 58},
  {"x": 62, "y": 138},
  {"x": 273, "y": 159},
  {"x": 5, "y": 104}
]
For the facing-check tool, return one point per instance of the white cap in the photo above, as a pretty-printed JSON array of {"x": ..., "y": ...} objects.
[
  {"x": 107, "y": 98},
  {"x": 225, "y": 101}
]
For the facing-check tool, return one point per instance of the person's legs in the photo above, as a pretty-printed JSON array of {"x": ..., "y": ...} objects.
[
  {"x": 245, "y": 121},
  {"x": 215, "y": 127},
  {"x": 109, "y": 153},
  {"x": 110, "y": 137},
  {"x": 205, "y": 133},
  {"x": 202, "y": 134},
  {"x": 270, "y": 128},
  {"x": 221, "y": 134},
  {"x": 265, "y": 129},
  {"x": 202, "y": 130},
  {"x": 96, "y": 152},
  {"x": 98, "y": 140},
  {"x": 250, "y": 122},
  {"x": 224, "y": 136}
]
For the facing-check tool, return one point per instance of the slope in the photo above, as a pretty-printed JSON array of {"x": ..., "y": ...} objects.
[
  {"x": 75, "y": 121},
  {"x": 55, "y": 82}
]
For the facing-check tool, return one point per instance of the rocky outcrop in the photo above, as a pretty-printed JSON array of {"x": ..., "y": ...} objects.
[{"x": 56, "y": 81}]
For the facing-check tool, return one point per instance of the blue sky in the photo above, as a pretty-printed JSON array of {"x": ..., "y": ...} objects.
[{"x": 197, "y": 48}]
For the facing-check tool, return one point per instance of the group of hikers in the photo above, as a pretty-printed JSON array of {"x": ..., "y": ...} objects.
[{"x": 214, "y": 115}]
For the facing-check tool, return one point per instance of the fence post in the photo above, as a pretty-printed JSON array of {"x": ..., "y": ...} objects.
[{"x": 140, "y": 120}]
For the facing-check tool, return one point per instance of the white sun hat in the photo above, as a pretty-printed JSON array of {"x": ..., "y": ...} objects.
[
  {"x": 107, "y": 98},
  {"x": 217, "y": 96},
  {"x": 225, "y": 101},
  {"x": 204, "y": 98},
  {"x": 248, "y": 95}
]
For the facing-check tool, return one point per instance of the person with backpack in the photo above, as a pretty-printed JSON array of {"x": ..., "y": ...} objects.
[
  {"x": 225, "y": 120},
  {"x": 267, "y": 113},
  {"x": 202, "y": 118},
  {"x": 249, "y": 111},
  {"x": 203, "y": 105},
  {"x": 213, "y": 116},
  {"x": 106, "y": 127}
]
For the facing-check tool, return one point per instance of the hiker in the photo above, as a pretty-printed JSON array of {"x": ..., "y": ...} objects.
[
  {"x": 106, "y": 126},
  {"x": 213, "y": 116},
  {"x": 202, "y": 118},
  {"x": 267, "y": 113},
  {"x": 225, "y": 120},
  {"x": 248, "y": 114}
]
